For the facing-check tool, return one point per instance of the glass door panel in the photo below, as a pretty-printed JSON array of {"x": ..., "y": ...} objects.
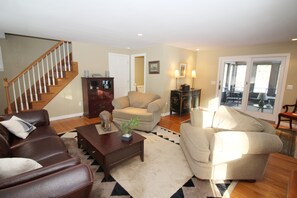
[
  {"x": 232, "y": 83},
  {"x": 263, "y": 86}
]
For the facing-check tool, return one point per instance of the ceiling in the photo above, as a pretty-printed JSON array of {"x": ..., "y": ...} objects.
[{"x": 190, "y": 24}]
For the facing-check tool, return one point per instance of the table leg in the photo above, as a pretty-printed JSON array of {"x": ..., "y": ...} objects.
[{"x": 142, "y": 151}]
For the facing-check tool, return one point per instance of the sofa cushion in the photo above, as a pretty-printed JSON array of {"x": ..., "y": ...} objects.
[
  {"x": 131, "y": 112},
  {"x": 228, "y": 118},
  {"x": 18, "y": 127},
  {"x": 39, "y": 133},
  {"x": 201, "y": 118},
  {"x": 41, "y": 149},
  {"x": 15, "y": 166},
  {"x": 141, "y": 100},
  {"x": 4, "y": 147}
]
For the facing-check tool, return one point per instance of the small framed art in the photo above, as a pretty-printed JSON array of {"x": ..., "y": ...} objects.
[
  {"x": 182, "y": 70},
  {"x": 154, "y": 67}
]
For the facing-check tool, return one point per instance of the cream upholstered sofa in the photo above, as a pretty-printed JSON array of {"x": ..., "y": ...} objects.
[
  {"x": 145, "y": 106},
  {"x": 227, "y": 144}
]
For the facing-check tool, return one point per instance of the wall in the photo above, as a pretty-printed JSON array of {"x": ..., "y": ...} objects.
[
  {"x": 17, "y": 53},
  {"x": 170, "y": 58},
  {"x": 208, "y": 61},
  {"x": 92, "y": 57}
]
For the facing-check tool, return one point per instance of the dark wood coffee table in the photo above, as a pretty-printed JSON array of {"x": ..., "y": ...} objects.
[{"x": 108, "y": 149}]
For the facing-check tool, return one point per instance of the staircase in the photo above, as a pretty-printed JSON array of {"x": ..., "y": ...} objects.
[{"x": 42, "y": 80}]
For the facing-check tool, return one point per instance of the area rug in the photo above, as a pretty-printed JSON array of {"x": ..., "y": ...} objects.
[
  {"x": 288, "y": 137},
  {"x": 164, "y": 172}
]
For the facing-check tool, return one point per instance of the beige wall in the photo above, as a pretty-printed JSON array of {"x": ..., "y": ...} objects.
[
  {"x": 91, "y": 57},
  {"x": 170, "y": 58},
  {"x": 208, "y": 61},
  {"x": 18, "y": 52}
]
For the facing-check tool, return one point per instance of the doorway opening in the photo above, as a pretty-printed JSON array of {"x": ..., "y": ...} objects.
[{"x": 138, "y": 72}]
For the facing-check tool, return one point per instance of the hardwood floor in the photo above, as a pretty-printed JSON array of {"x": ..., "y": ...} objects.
[{"x": 274, "y": 184}]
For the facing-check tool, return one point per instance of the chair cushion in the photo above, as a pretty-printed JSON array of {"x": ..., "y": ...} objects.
[
  {"x": 131, "y": 112},
  {"x": 15, "y": 166},
  {"x": 141, "y": 100},
  {"x": 228, "y": 118}
]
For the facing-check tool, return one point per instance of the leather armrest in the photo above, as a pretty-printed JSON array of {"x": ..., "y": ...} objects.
[
  {"x": 73, "y": 182},
  {"x": 38, "y": 173}
]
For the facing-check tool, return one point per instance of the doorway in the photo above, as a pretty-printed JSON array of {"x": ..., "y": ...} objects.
[
  {"x": 138, "y": 72},
  {"x": 253, "y": 84},
  {"x": 118, "y": 65}
]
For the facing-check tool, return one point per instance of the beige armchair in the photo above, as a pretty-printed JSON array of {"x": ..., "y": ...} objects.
[
  {"x": 227, "y": 144},
  {"x": 146, "y": 106}
]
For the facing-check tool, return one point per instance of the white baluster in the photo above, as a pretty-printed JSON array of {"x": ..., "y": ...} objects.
[
  {"x": 44, "y": 84},
  {"x": 14, "y": 99},
  {"x": 68, "y": 56},
  {"x": 60, "y": 61},
  {"x": 65, "y": 63},
  {"x": 25, "y": 92},
  {"x": 20, "y": 95},
  {"x": 56, "y": 62},
  {"x": 48, "y": 73},
  {"x": 52, "y": 64},
  {"x": 39, "y": 79},
  {"x": 30, "y": 89},
  {"x": 34, "y": 83}
]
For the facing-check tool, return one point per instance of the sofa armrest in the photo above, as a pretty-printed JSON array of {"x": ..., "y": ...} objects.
[
  {"x": 201, "y": 118},
  {"x": 36, "y": 117},
  {"x": 75, "y": 181},
  {"x": 231, "y": 145},
  {"x": 38, "y": 173},
  {"x": 121, "y": 102},
  {"x": 156, "y": 106}
]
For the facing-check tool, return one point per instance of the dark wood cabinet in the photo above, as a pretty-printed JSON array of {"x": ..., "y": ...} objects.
[
  {"x": 97, "y": 95},
  {"x": 181, "y": 101}
]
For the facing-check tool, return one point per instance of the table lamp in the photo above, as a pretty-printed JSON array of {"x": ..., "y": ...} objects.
[
  {"x": 193, "y": 77},
  {"x": 176, "y": 75}
]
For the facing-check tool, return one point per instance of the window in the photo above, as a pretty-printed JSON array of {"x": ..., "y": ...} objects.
[{"x": 262, "y": 78}]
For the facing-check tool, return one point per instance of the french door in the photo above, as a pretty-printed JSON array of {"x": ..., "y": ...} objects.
[{"x": 253, "y": 84}]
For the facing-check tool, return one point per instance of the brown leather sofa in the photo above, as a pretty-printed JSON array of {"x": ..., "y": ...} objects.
[{"x": 61, "y": 175}]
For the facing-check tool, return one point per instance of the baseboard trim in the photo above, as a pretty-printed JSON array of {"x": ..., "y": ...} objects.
[{"x": 66, "y": 116}]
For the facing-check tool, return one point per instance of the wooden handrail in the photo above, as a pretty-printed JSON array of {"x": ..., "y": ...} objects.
[{"x": 34, "y": 62}]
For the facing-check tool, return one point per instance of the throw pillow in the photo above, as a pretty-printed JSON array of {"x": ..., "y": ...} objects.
[
  {"x": 18, "y": 127},
  {"x": 14, "y": 166},
  {"x": 228, "y": 118}
]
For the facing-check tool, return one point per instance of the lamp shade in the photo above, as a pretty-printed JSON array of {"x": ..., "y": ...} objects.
[
  {"x": 193, "y": 73},
  {"x": 262, "y": 96},
  {"x": 176, "y": 73}
]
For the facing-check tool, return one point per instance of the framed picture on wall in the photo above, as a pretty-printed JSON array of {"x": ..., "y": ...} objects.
[
  {"x": 182, "y": 70},
  {"x": 154, "y": 67}
]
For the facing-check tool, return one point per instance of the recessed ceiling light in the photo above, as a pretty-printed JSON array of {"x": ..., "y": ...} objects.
[
  {"x": 197, "y": 49},
  {"x": 139, "y": 34},
  {"x": 294, "y": 39},
  {"x": 128, "y": 47}
]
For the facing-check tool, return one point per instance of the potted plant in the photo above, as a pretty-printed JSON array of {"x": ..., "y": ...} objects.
[{"x": 127, "y": 128}]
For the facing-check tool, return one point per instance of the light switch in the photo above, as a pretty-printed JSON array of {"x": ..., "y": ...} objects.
[{"x": 290, "y": 87}]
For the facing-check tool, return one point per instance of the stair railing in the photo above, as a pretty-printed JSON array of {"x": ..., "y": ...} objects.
[{"x": 34, "y": 79}]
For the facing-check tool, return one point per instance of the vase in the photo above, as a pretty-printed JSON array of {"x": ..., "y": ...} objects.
[{"x": 127, "y": 137}]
